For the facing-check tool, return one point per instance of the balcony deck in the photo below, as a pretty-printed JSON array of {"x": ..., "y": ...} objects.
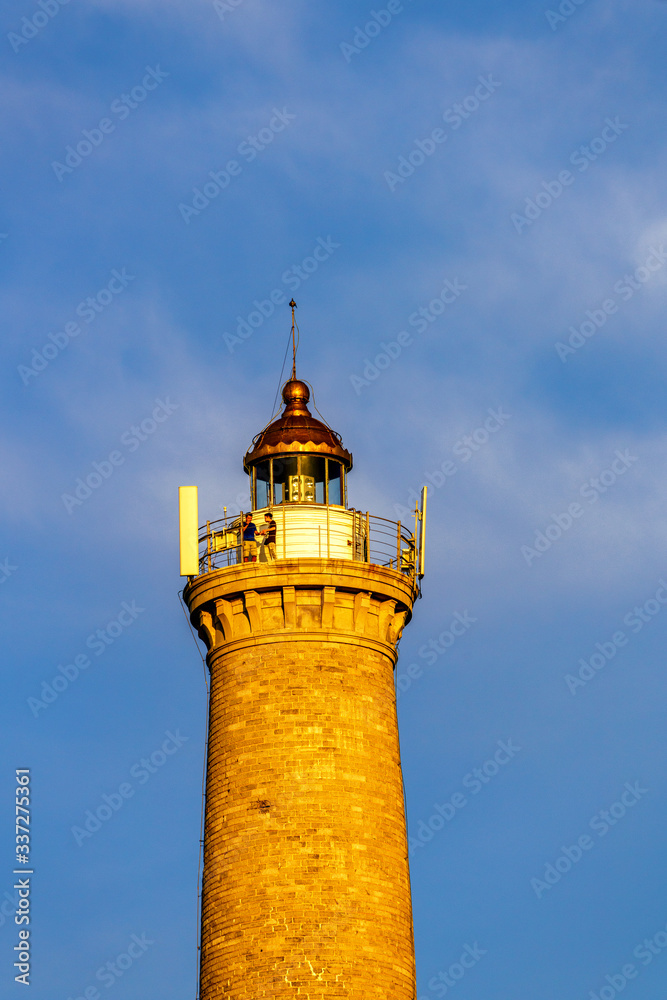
[{"x": 310, "y": 530}]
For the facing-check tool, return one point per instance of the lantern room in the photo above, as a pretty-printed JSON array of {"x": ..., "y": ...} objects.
[{"x": 297, "y": 458}]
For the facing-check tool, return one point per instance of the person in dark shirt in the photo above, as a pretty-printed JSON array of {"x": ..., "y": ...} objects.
[
  {"x": 269, "y": 531},
  {"x": 249, "y": 543}
]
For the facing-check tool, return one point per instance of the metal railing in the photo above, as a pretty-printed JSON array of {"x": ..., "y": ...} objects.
[{"x": 312, "y": 530}]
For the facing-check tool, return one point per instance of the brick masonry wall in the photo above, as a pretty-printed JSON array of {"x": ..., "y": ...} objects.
[{"x": 306, "y": 885}]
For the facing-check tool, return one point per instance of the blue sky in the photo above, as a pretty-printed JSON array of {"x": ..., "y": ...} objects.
[{"x": 516, "y": 154}]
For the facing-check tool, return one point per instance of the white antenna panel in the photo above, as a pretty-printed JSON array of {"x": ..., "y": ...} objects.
[
  {"x": 422, "y": 533},
  {"x": 188, "y": 515}
]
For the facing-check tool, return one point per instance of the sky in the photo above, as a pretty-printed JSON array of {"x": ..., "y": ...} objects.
[{"x": 467, "y": 202}]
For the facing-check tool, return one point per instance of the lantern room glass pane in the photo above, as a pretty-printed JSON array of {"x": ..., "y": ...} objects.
[
  {"x": 285, "y": 479},
  {"x": 335, "y": 483},
  {"x": 261, "y": 498},
  {"x": 311, "y": 486}
]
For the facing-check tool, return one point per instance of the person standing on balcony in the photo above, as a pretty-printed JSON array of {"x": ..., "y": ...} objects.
[
  {"x": 249, "y": 543},
  {"x": 269, "y": 531}
]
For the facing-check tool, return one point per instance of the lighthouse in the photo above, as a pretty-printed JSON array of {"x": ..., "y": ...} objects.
[{"x": 305, "y": 888}]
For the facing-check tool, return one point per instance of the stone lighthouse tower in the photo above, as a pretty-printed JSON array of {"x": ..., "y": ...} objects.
[{"x": 306, "y": 889}]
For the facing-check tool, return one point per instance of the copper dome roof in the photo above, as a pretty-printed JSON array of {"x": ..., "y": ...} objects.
[{"x": 296, "y": 431}]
